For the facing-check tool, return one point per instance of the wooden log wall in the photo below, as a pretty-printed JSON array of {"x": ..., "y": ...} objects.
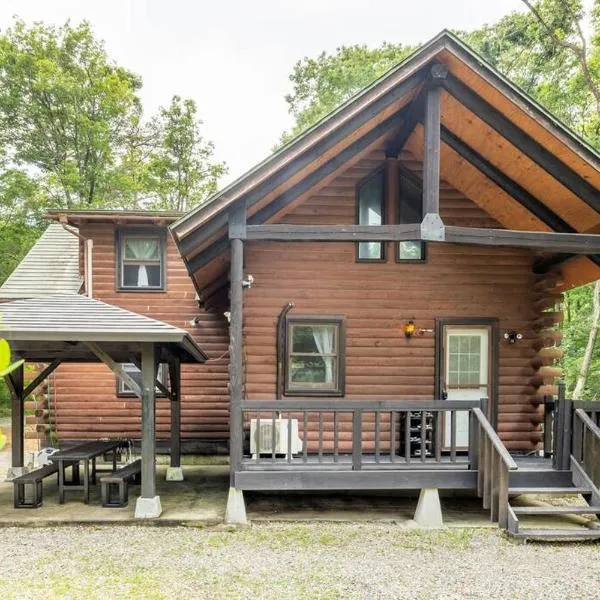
[
  {"x": 377, "y": 298},
  {"x": 548, "y": 302},
  {"x": 83, "y": 401}
]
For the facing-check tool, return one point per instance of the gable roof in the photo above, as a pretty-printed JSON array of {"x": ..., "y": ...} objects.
[
  {"x": 488, "y": 122},
  {"x": 50, "y": 268}
]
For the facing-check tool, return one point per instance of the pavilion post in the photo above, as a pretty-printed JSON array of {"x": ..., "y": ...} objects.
[
  {"x": 432, "y": 227},
  {"x": 16, "y": 383},
  {"x": 175, "y": 472},
  {"x": 148, "y": 504},
  {"x": 236, "y": 509}
]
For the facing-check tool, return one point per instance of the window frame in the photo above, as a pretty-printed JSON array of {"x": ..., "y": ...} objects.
[
  {"x": 384, "y": 216},
  {"x": 145, "y": 232},
  {"x": 163, "y": 377},
  {"x": 404, "y": 173},
  {"x": 339, "y": 322}
]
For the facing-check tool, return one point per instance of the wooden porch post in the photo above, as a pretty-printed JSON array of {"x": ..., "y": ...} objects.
[
  {"x": 148, "y": 505},
  {"x": 175, "y": 472},
  {"x": 236, "y": 510},
  {"x": 16, "y": 383},
  {"x": 432, "y": 227}
]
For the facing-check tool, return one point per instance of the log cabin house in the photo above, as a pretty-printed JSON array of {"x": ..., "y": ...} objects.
[{"x": 392, "y": 280}]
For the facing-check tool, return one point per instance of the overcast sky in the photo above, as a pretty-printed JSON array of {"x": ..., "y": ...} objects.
[{"x": 234, "y": 57}]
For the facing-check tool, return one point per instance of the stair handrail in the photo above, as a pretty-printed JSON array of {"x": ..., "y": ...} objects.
[
  {"x": 494, "y": 463},
  {"x": 582, "y": 421}
]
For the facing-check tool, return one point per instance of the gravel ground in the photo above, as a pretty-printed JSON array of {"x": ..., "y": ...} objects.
[{"x": 280, "y": 561}]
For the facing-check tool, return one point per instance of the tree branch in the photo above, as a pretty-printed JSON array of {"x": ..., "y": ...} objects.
[{"x": 580, "y": 52}]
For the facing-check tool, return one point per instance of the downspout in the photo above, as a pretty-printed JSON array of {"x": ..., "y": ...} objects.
[
  {"x": 88, "y": 247},
  {"x": 279, "y": 387}
]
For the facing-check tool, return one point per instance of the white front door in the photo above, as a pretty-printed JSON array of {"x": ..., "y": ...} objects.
[{"x": 466, "y": 352}]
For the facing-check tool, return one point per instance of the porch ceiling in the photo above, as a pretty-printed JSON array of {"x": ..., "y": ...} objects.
[{"x": 553, "y": 176}]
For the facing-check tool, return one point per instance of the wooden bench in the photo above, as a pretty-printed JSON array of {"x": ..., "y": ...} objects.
[
  {"x": 33, "y": 478},
  {"x": 120, "y": 479}
]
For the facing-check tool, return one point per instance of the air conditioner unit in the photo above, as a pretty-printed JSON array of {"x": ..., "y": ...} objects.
[{"x": 261, "y": 438}]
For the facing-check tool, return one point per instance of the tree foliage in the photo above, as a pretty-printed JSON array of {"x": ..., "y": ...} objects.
[
  {"x": 73, "y": 135},
  {"x": 321, "y": 84},
  {"x": 181, "y": 170},
  {"x": 65, "y": 109}
]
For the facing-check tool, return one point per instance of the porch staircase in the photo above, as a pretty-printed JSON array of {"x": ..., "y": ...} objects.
[{"x": 563, "y": 499}]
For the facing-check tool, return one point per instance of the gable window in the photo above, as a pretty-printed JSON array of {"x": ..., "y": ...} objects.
[
  {"x": 410, "y": 210},
  {"x": 124, "y": 390},
  {"x": 141, "y": 260},
  {"x": 370, "y": 197},
  {"x": 314, "y": 356}
]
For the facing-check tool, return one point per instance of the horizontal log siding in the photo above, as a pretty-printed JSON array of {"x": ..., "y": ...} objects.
[
  {"x": 376, "y": 299},
  {"x": 84, "y": 403}
]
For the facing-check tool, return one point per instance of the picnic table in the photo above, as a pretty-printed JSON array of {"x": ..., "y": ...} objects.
[{"x": 86, "y": 453}]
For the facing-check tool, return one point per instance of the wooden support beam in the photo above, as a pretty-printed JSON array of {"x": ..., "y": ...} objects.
[
  {"x": 41, "y": 377},
  {"x": 414, "y": 114},
  {"x": 237, "y": 224},
  {"x": 304, "y": 159},
  {"x": 175, "y": 380},
  {"x": 575, "y": 243},
  {"x": 505, "y": 183},
  {"x": 115, "y": 367},
  {"x": 148, "y": 420},
  {"x": 431, "y": 153},
  {"x": 162, "y": 388},
  {"x": 302, "y": 187},
  {"x": 333, "y": 233},
  {"x": 16, "y": 381},
  {"x": 392, "y": 195},
  {"x": 524, "y": 142}
]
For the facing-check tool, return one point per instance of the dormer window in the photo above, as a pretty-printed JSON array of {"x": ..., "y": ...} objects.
[{"x": 141, "y": 260}]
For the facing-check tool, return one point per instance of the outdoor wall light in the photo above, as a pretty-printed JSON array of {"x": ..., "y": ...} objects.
[
  {"x": 409, "y": 329},
  {"x": 512, "y": 336},
  {"x": 247, "y": 283}
]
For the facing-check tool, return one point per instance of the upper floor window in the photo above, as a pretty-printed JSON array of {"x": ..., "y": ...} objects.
[
  {"x": 314, "y": 356},
  {"x": 410, "y": 210},
  {"x": 370, "y": 204},
  {"x": 141, "y": 259},
  {"x": 371, "y": 200}
]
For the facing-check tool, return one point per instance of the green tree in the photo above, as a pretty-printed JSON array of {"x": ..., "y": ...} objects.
[
  {"x": 182, "y": 171},
  {"x": 20, "y": 222},
  {"x": 321, "y": 84},
  {"x": 65, "y": 109}
]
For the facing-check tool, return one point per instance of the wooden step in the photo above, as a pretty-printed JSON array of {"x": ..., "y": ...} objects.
[
  {"x": 555, "y": 510},
  {"x": 514, "y": 491},
  {"x": 557, "y": 535}
]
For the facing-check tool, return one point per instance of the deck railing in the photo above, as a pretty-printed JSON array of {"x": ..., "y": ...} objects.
[
  {"x": 356, "y": 435},
  {"x": 586, "y": 439},
  {"x": 563, "y": 430},
  {"x": 493, "y": 463}
]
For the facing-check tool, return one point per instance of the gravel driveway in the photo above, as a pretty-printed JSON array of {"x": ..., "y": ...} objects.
[{"x": 299, "y": 561}]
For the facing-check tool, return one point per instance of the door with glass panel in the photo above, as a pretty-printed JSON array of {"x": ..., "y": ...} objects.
[{"x": 466, "y": 375}]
